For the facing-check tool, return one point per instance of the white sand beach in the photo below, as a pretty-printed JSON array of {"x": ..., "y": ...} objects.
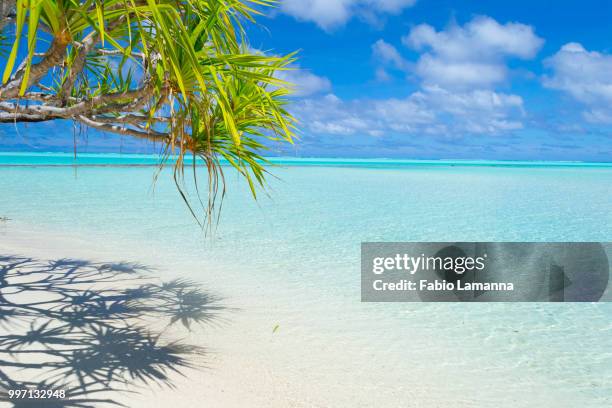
[{"x": 334, "y": 354}]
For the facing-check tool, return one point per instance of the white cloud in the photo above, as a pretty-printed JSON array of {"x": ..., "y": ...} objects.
[
  {"x": 465, "y": 74},
  {"x": 329, "y": 14},
  {"x": 432, "y": 110},
  {"x": 478, "y": 111},
  {"x": 586, "y": 76},
  {"x": 305, "y": 83},
  {"x": 382, "y": 75},
  {"x": 302, "y": 81},
  {"x": 330, "y": 115},
  {"x": 598, "y": 116},
  {"x": 483, "y": 37},
  {"x": 481, "y": 101},
  {"x": 387, "y": 54},
  {"x": 458, "y": 70},
  {"x": 473, "y": 55}
]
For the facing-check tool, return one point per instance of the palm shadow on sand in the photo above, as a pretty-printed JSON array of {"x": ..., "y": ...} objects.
[{"x": 93, "y": 329}]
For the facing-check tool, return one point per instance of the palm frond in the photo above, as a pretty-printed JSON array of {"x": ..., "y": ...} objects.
[{"x": 191, "y": 82}]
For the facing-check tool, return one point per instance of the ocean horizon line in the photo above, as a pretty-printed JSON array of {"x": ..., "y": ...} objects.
[{"x": 106, "y": 159}]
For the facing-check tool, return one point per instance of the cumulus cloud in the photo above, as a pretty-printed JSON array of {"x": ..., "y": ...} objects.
[
  {"x": 302, "y": 81},
  {"x": 459, "y": 74},
  {"x": 586, "y": 76},
  {"x": 330, "y": 115},
  {"x": 305, "y": 83},
  {"x": 598, "y": 116},
  {"x": 329, "y": 14},
  {"x": 432, "y": 111},
  {"x": 386, "y": 53},
  {"x": 478, "y": 111},
  {"x": 457, "y": 71},
  {"x": 382, "y": 75},
  {"x": 473, "y": 55}
]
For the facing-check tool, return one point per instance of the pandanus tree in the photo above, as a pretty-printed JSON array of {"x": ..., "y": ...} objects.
[{"x": 177, "y": 72}]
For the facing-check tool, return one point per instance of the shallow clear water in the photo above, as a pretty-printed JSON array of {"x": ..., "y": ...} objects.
[{"x": 297, "y": 251}]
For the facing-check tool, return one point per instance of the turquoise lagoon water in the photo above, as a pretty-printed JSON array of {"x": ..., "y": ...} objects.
[
  {"x": 298, "y": 248},
  {"x": 110, "y": 159}
]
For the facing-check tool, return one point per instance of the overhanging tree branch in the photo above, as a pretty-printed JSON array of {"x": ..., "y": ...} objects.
[
  {"x": 123, "y": 130},
  {"x": 82, "y": 50},
  {"x": 196, "y": 88},
  {"x": 53, "y": 57},
  {"x": 6, "y": 117}
]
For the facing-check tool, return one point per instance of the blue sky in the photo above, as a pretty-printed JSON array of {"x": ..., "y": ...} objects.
[{"x": 528, "y": 80}]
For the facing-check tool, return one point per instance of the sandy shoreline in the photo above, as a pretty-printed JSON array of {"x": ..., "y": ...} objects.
[
  {"x": 235, "y": 372},
  {"x": 228, "y": 375},
  {"x": 324, "y": 353}
]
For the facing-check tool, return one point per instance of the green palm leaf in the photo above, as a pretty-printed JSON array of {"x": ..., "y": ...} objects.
[{"x": 192, "y": 82}]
